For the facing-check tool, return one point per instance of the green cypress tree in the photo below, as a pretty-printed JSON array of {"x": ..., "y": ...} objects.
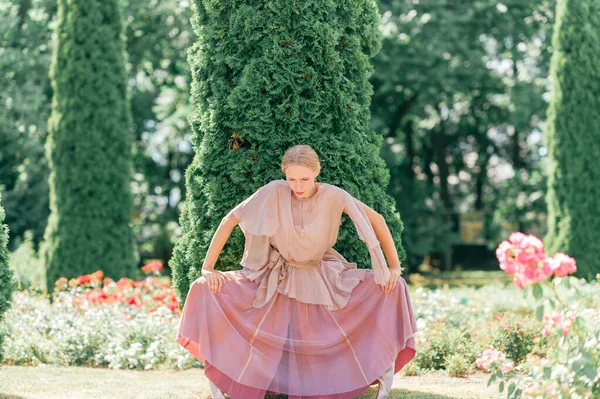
[
  {"x": 8, "y": 284},
  {"x": 573, "y": 135},
  {"x": 89, "y": 144},
  {"x": 268, "y": 75}
]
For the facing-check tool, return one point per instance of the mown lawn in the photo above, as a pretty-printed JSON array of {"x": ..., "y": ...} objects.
[{"x": 51, "y": 382}]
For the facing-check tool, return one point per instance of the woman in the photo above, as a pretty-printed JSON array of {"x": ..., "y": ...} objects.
[{"x": 299, "y": 319}]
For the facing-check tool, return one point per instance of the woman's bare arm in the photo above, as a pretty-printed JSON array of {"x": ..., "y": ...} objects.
[
  {"x": 384, "y": 236},
  {"x": 218, "y": 241},
  {"x": 387, "y": 245}
]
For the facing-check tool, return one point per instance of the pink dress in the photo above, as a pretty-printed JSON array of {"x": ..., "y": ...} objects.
[{"x": 299, "y": 319}]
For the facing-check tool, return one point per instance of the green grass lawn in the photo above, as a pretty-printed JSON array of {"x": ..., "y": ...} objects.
[{"x": 51, "y": 382}]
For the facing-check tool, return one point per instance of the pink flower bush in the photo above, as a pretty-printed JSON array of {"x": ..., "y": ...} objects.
[
  {"x": 524, "y": 258},
  {"x": 573, "y": 333},
  {"x": 558, "y": 321},
  {"x": 491, "y": 356}
]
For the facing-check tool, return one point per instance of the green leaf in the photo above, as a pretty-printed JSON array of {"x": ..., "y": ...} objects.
[
  {"x": 537, "y": 291},
  {"x": 539, "y": 312},
  {"x": 501, "y": 387},
  {"x": 590, "y": 372},
  {"x": 578, "y": 364},
  {"x": 511, "y": 388},
  {"x": 547, "y": 371},
  {"x": 589, "y": 358},
  {"x": 567, "y": 282}
]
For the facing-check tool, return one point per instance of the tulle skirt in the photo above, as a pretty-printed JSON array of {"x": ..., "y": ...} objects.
[{"x": 294, "y": 348}]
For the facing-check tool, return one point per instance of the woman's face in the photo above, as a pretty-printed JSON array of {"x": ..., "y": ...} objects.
[{"x": 301, "y": 180}]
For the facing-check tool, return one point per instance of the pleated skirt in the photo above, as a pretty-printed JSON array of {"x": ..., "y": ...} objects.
[{"x": 294, "y": 348}]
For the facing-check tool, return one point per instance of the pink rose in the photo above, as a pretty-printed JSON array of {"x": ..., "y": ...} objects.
[
  {"x": 516, "y": 237},
  {"x": 563, "y": 264},
  {"x": 523, "y": 257},
  {"x": 507, "y": 367},
  {"x": 506, "y": 256}
]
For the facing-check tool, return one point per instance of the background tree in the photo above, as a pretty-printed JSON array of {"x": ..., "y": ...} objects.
[
  {"x": 7, "y": 283},
  {"x": 264, "y": 79},
  {"x": 158, "y": 35},
  {"x": 25, "y": 96},
  {"x": 573, "y": 135},
  {"x": 456, "y": 84},
  {"x": 89, "y": 145}
]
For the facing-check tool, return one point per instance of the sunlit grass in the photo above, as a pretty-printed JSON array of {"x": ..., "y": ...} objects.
[{"x": 52, "y": 382}]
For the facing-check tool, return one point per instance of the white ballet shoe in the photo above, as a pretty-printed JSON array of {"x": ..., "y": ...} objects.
[
  {"x": 385, "y": 383},
  {"x": 215, "y": 391}
]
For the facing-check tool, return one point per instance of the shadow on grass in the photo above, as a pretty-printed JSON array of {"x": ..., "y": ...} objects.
[{"x": 395, "y": 394}]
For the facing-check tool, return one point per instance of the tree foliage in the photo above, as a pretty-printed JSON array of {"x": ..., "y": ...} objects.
[
  {"x": 573, "y": 135},
  {"x": 459, "y": 97},
  {"x": 89, "y": 143},
  {"x": 8, "y": 284},
  {"x": 266, "y": 77},
  {"x": 25, "y": 54}
]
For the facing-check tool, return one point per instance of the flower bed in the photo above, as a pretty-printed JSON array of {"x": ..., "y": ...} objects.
[{"x": 98, "y": 322}]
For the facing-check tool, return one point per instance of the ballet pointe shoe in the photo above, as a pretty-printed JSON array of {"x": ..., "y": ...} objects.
[
  {"x": 215, "y": 392},
  {"x": 385, "y": 383}
]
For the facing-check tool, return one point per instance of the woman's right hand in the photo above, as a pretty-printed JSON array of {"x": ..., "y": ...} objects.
[{"x": 215, "y": 279}]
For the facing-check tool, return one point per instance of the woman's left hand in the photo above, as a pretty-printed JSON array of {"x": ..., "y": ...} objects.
[{"x": 395, "y": 273}]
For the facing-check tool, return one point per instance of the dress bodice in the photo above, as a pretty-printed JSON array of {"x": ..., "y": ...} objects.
[{"x": 272, "y": 220}]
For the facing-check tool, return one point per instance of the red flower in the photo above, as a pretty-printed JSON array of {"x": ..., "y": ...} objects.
[
  {"x": 97, "y": 275},
  {"x": 85, "y": 279},
  {"x": 135, "y": 300},
  {"x": 173, "y": 306},
  {"x": 153, "y": 266},
  {"x": 98, "y": 296},
  {"x": 124, "y": 282}
]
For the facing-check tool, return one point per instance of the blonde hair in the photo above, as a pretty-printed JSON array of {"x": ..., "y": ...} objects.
[{"x": 301, "y": 154}]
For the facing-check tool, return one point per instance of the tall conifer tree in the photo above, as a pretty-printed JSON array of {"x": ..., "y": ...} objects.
[
  {"x": 89, "y": 144},
  {"x": 573, "y": 135},
  {"x": 8, "y": 284},
  {"x": 268, "y": 75}
]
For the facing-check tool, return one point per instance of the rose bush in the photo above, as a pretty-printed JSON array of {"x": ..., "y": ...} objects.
[{"x": 571, "y": 368}]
